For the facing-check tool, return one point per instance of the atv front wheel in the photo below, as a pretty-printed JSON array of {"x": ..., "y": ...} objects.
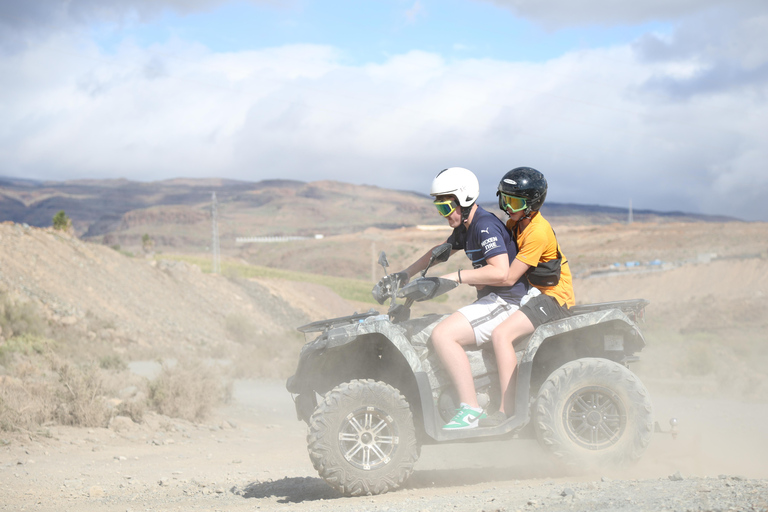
[
  {"x": 361, "y": 438},
  {"x": 592, "y": 413}
]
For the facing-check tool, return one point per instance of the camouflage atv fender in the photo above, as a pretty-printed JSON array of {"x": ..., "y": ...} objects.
[
  {"x": 573, "y": 323},
  {"x": 379, "y": 324},
  {"x": 337, "y": 337}
]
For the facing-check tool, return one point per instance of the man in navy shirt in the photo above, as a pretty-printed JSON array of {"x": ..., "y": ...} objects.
[{"x": 490, "y": 248}]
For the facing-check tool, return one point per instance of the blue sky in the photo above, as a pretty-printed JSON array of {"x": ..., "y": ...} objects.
[
  {"x": 663, "y": 102},
  {"x": 371, "y": 31}
]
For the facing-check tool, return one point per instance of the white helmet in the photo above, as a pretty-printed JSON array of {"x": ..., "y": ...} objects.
[{"x": 459, "y": 182}]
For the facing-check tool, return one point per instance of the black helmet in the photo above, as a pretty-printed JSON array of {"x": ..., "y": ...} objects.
[{"x": 525, "y": 182}]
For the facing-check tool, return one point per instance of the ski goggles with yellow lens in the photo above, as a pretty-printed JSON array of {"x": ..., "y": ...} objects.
[
  {"x": 512, "y": 204},
  {"x": 445, "y": 208}
]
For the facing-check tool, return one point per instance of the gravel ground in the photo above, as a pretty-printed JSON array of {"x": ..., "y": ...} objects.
[{"x": 252, "y": 456}]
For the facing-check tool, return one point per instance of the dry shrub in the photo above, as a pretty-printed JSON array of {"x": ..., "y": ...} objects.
[
  {"x": 112, "y": 362},
  {"x": 20, "y": 318},
  {"x": 63, "y": 393},
  {"x": 81, "y": 397},
  {"x": 187, "y": 390},
  {"x": 26, "y": 393},
  {"x": 133, "y": 409},
  {"x": 25, "y": 405},
  {"x": 41, "y": 386}
]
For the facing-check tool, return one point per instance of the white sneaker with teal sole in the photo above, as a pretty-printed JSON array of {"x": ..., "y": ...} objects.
[{"x": 466, "y": 417}]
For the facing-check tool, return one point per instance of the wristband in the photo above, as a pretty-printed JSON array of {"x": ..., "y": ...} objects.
[{"x": 459, "y": 272}]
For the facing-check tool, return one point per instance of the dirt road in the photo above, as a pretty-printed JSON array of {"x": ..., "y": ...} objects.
[{"x": 252, "y": 456}]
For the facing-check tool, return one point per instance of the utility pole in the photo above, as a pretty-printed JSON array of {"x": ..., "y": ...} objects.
[
  {"x": 629, "y": 219},
  {"x": 373, "y": 262},
  {"x": 215, "y": 229}
]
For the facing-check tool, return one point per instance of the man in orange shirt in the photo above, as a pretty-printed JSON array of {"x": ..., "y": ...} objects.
[{"x": 521, "y": 193}]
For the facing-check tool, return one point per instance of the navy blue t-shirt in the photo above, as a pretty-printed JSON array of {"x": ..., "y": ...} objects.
[{"x": 485, "y": 238}]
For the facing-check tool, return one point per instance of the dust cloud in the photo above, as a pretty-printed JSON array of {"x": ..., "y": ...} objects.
[{"x": 704, "y": 363}]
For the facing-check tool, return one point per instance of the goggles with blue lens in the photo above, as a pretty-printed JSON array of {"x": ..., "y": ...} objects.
[
  {"x": 445, "y": 208},
  {"x": 512, "y": 204}
]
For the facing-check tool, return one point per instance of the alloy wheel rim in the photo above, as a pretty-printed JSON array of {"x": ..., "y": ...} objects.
[
  {"x": 594, "y": 417},
  {"x": 368, "y": 438}
]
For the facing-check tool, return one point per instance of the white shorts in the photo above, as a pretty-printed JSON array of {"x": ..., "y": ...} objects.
[{"x": 486, "y": 313}]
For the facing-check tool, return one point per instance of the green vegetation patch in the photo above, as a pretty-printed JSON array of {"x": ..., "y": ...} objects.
[
  {"x": 26, "y": 344},
  {"x": 20, "y": 318},
  {"x": 346, "y": 288}
]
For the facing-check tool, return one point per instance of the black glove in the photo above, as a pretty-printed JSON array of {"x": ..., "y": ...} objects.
[
  {"x": 383, "y": 289},
  {"x": 399, "y": 313}
]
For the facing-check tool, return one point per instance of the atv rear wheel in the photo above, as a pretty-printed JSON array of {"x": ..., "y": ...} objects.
[
  {"x": 361, "y": 438},
  {"x": 592, "y": 413}
]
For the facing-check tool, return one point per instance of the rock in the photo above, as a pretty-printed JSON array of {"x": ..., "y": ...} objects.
[
  {"x": 114, "y": 402},
  {"x": 96, "y": 492},
  {"x": 677, "y": 477},
  {"x": 73, "y": 483},
  {"x": 568, "y": 492},
  {"x": 122, "y": 424},
  {"x": 68, "y": 320}
]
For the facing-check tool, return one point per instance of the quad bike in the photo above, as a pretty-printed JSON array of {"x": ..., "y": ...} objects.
[{"x": 373, "y": 391}]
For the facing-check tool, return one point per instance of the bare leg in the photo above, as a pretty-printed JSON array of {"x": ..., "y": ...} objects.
[
  {"x": 516, "y": 325},
  {"x": 449, "y": 338}
]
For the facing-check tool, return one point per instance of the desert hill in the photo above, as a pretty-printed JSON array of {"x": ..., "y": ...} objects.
[{"x": 104, "y": 304}]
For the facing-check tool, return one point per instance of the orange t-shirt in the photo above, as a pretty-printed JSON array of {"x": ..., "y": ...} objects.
[{"x": 537, "y": 243}]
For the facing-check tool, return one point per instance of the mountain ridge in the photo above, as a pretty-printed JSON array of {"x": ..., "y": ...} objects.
[
  {"x": 176, "y": 215},
  {"x": 91, "y": 201}
]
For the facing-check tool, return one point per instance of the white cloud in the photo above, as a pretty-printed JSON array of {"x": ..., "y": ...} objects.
[
  {"x": 648, "y": 122},
  {"x": 567, "y": 13},
  {"x": 24, "y": 22}
]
